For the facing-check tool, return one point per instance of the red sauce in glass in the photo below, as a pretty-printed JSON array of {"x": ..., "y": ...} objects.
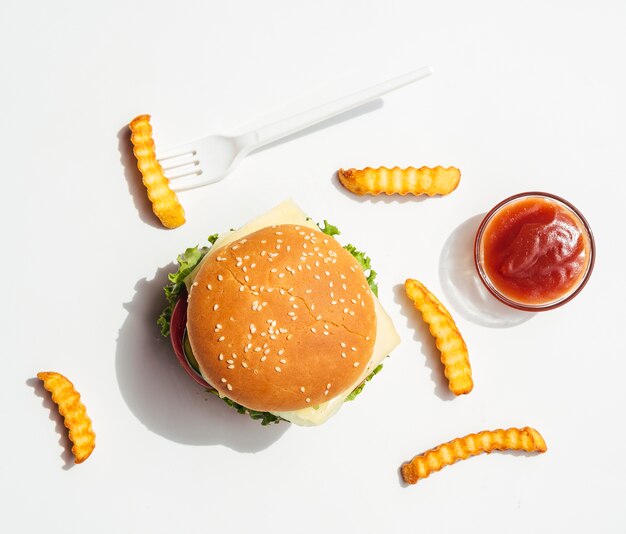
[{"x": 535, "y": 250}]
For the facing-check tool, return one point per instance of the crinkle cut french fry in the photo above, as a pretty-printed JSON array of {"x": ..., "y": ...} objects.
[
  {"x": 514, "y": 439},
  {"x": 423, "y": 181},
  {"x": 165, "y": 203},
  {"x": 449, "y": 341},
  {"x": 74, "y": 413}
]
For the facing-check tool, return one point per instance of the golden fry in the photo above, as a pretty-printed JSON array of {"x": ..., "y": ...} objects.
[
  {"x": 73, "y": 411},
  {"x": 164, "y": 201},
  {"x": 514, "y": 439},
  {"x": 448, "y": 339},
  {"x": 422, "y": 181}
]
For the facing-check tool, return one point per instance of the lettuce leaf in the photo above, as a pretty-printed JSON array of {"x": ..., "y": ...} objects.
[
  {"x": 360, "y": 387},
  {"x": 363, "y": 259},
  {"x": 187, "y": 262}
]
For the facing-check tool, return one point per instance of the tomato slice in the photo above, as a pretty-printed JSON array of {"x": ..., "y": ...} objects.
[{"x": 178, "y": 325}]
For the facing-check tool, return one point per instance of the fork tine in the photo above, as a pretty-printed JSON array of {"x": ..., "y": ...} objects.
[
  {"x": 170, "y": 164},
  {"x": 190, "y": 172},
  {"x": 177, "y": 151}
]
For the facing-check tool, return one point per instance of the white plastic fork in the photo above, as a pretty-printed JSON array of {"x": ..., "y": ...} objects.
[{"x": 211, "y": 158}]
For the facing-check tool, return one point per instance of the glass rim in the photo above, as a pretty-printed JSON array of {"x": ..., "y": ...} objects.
[{"x": 484, "y": 277}]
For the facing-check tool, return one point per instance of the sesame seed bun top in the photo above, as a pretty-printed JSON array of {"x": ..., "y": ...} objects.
[{"x": 282, "y": 319}]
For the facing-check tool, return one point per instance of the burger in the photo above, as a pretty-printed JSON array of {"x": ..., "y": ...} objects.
[{"x": 278, "y": 319}]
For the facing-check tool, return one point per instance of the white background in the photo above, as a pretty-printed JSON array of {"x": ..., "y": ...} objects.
[{"x": 526, "y": 96}]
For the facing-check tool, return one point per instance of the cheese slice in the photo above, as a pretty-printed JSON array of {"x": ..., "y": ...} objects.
[{"x": 387, "y": 338}]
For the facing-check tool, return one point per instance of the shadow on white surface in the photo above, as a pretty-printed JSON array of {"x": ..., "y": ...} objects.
[
  {"x": 162, "y": 396},
  {"x": 421, "y": 334},
  {"x": 50, "y": 405},
  {"x": 464, "y": 289},
  {"x": 338, "y": 119},
  {"x": 133, "y": 179}
]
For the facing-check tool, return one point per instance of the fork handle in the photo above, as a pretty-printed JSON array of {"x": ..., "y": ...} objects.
[{"x": 302, "y": 120}]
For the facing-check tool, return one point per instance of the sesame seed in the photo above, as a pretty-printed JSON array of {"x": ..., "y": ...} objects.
[
  {"x": 281, "y": 275},
  {"x": 343, "y": 355},
  {"x": 257, "y": 349},
  {"x": 307, "y": 399},
  {"x": 230, "y": 361},
  {"x": 231, "y": 366},
  {"x": 316, "y": 276},
  {"x": 302, "y": 389},
  {"x": 342, "y": 276},
  {"x": 343, "y": 344},
  {"x": 283, "y": 361},
  {"x": 244, "y": 365},
  {"x": 230, "y": 388},
  {"x": 221, "y": 338},
  {"x": 325, "y": 332},
  {"x": 294, "y": 317},
  {"x": 281, "y": 352},
  {"x": 333, "y": 302},
  {"x": 277, "y": 369},
  {"x": 319, "y": 317},
  {"x": 313, "y": 330},
  {"x": 289, "y": 337},
  {"x": 234, "y": 355},
  {"x": 219, "y": 258},
  {"x": 307, "y": 291},
  {"x": 208, "y": 286},
  {"x": 346, "y": 310},
  {"x": 246, "y": 278},
  {"x": 220, "y": 357},
  {"x": 351, "y": 312},
  {"x": 266, "y": 351},
  {"x": 224, "y": 380},
  {"x": 326, "y": 392},
  {"x": 345, "y": 287},
  {"x": 263, "y": 358},
  {"x": 220, "y": 277},
  {"x": 328, "y": 386},
  {"x": 215, "y": 307},
  {"x": 355, "y": 364}
]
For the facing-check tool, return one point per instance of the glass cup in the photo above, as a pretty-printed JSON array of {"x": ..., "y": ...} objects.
[{"x": 494, "y": 217}]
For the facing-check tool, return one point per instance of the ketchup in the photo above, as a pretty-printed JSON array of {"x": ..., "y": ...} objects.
[{"x": 535, "y": 250}]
